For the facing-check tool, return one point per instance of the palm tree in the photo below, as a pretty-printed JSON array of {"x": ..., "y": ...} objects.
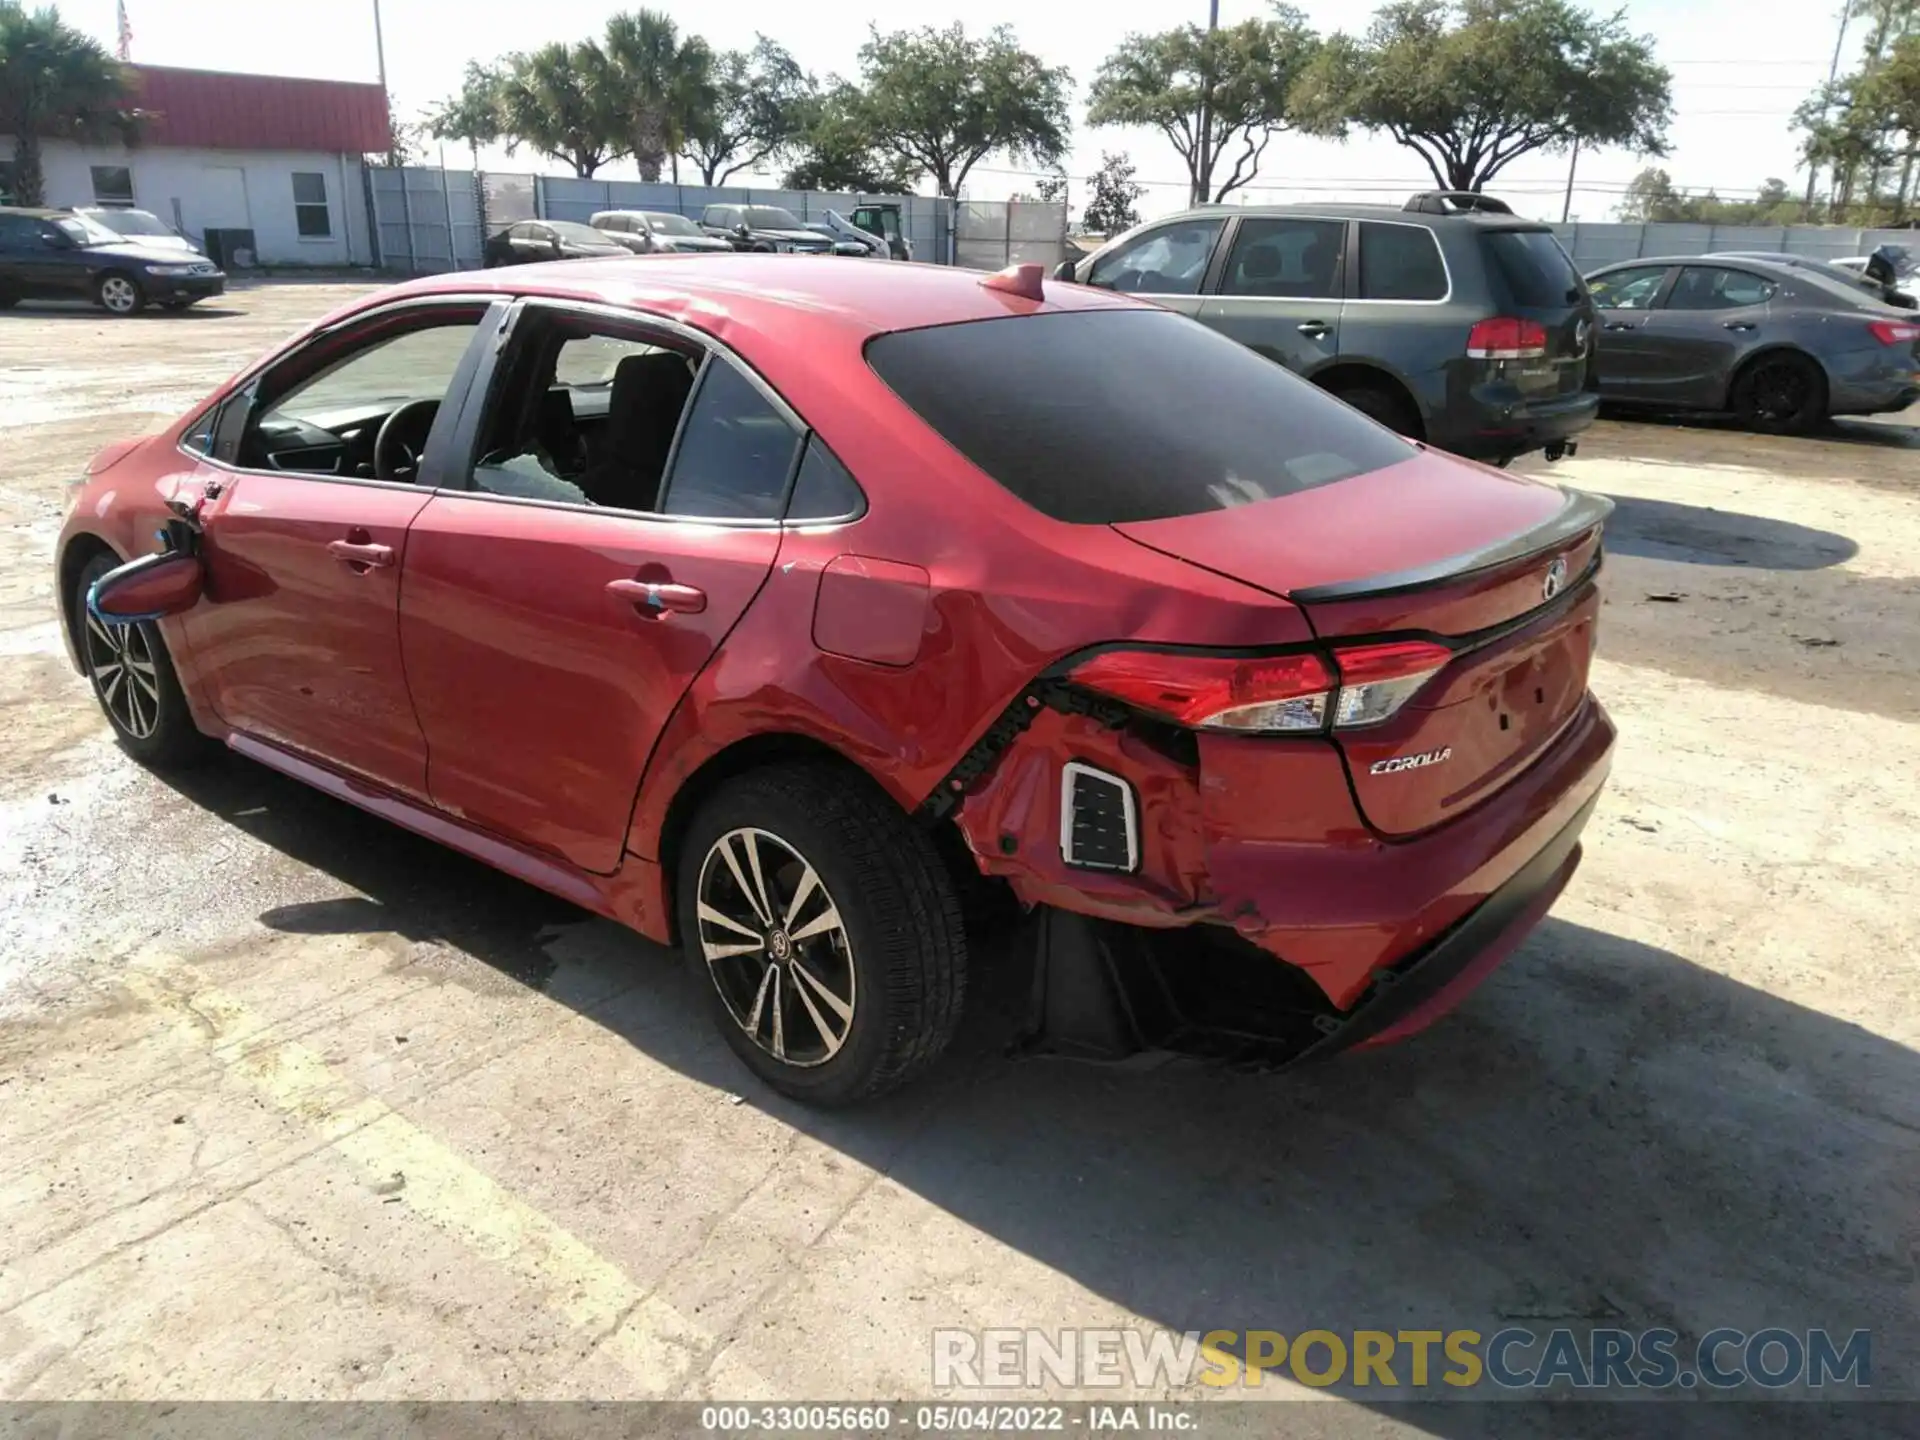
[
  {"x": 556, "y": 100},
  {"x": 55, "y": 84},
  {"x": 663, "y": 85}
]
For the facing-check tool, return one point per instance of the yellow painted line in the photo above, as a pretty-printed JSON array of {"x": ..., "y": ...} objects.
[{"x": 649, "y": 1339}]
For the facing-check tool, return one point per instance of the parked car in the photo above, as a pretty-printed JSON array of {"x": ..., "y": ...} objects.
[
  {"x": 655, "y": 231},
  {"x": 528, "y": 241},
  {"x": 849, "y": 239},
  {"x": 763, "y": 227},
  {"x": 1780, "y": 346},
  {"x": 772, "y": 608},
  {"x": 1447, "y": 319},
  {"x": 1890, "y": 263},
  {"x": 58, "y": 255},
  {"x": 1887, "y": 292},
  {"x": 142, "y": 227}
]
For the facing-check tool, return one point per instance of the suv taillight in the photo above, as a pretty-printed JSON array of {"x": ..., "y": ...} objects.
[
  {"x": 1505, "y": 338},
  {"x": 1275, "y": 694},
  {"x": 1894, "y": 332}
]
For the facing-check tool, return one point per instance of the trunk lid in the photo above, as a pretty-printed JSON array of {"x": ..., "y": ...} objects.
[{"x": 1434, "y": 548}]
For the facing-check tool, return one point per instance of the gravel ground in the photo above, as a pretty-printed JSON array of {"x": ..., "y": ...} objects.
[{"x": 295, "y": 1105}]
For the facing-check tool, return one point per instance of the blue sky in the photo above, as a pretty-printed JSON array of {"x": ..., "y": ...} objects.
[{"x": 1740, "y": 67}]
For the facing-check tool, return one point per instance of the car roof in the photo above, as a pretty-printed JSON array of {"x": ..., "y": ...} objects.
[
  {"x": 1758, "y": 262},
  {"x": 37, "y": 212},
  {"x": 741, "y": 293},
  {"x": 1363, "y": 210}
]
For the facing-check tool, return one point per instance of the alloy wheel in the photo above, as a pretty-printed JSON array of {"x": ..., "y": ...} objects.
[
  {"x": 1779, "y": 391},
  {"x": 118, "y": 295},
  {"x": 120, "y": 660},
  {"x": 776, "y": 947}
]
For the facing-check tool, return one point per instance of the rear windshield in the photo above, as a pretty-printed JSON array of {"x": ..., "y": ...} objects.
[
  {"x": 1537, "y": 273},
  {"x": 1097, "y": 417}
]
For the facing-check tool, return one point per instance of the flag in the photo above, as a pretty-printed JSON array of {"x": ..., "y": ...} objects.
[{"x": 126, "y": 33}]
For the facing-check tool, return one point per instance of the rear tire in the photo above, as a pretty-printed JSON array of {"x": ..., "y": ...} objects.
[
  {"x": 1384, "y": 406},
  {"x": 847, "y": 907},
  {"x": 1781, "y": 394},
  {"x": 118, "y": 293},
  {"x": 133, "y": 679}
]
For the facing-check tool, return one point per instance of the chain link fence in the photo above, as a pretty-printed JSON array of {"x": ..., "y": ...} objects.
[{"x": 1592, "y": 246}]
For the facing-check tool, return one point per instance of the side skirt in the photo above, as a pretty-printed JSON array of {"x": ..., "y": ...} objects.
[{"x": 634, "y": 895}]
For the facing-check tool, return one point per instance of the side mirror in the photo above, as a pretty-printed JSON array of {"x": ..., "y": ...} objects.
[
  {"x": 741, "y": 230},
  {"x": 149, "y": 588},
  {"x": 1065, "y": 270}
]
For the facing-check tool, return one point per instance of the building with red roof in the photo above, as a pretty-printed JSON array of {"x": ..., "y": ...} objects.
[{"x": 262, "y": 169}]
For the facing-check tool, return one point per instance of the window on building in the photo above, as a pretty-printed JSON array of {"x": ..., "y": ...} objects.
[
  {"x": 113, "y": 185},
  {"x": 310, "y": 214}
]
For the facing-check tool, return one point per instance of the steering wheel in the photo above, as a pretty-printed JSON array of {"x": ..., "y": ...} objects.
[{"x": 402, "y": 438}]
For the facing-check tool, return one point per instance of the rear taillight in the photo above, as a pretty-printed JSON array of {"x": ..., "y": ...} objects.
[
  {"x": 1376, "y": 680},
  {"x": 1276, "y": 694},
  {"x": 1213, "y": 692},
  {"x": 1894, "y": 332},
  {"x": 1505, "y": 338}
]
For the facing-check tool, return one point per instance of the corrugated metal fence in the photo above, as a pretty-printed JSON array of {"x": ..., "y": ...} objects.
[
  {"x": 428, "y": 220},
  {"x": 1595, "y": 245}
]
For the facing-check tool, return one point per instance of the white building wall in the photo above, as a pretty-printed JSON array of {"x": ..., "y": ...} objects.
[{"x": 248, "y": 189}]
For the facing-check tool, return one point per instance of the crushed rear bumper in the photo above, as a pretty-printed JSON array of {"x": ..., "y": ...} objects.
[{"x": 1107, "y": 991}]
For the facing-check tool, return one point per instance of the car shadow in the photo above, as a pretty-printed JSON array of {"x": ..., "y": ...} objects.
[
  {"x": 1855, "y": 447},
  {"x": 1607, "y": 1133},
  {"x": 1699, "y": 535},
  {"x": 86, "y": 310}
]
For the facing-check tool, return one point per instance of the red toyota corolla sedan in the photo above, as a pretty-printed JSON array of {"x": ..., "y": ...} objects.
[{"x": 775, "y": 608}]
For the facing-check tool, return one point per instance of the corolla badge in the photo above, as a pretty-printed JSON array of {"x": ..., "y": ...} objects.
[
  {"x": 1409, "y": 762},
  {"x": 1555, "y": 580}
]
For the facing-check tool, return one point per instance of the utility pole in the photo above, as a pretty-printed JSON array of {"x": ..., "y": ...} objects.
[
  {"x": 1833, "y": 74},
  {"x": 1566, "y": 205},
  {"x": 1203, "y": 182},
  {"x": 380, "y": 58}
]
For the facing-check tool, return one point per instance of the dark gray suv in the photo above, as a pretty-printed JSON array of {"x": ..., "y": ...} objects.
[{"x": 1449, "y": 319}]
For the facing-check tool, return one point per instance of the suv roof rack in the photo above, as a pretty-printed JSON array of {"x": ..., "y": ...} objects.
[{"x": 1452, "y": 202}]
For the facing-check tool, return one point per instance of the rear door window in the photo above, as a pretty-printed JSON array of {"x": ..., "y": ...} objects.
[
  {"x": 736, "y": 452},
  {"x": 1169, "y": 261},
  {"x": 1713, "y": 287},
  {"x": 1400, "y": 262},
  {"x": 1534, "y": 270},
  {"x": 1099, "y": 417},
  {"x": 1285, "y": 258}
]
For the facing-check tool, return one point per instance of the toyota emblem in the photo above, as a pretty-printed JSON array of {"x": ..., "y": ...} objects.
[{"x": 1556, "y": 578}]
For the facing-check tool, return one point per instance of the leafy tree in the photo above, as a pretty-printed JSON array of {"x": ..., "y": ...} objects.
[
  {"x": 1211, "y": 92},
  {"x": 1472, "y": 85},
  {"x": 473, "y": 115},
  {"x": 55, "y": 84},
  {"x": 1651, "y": 196},
  {"x": 837, "y": 151},
  {"x": 1110, "y": 210},
  {"x": 940, "y": 101},
  {"x": 559, "y": 100},
  {"x": 761, "y": 107},
  {"x": 1051, "y": 189},
  {"x": 662, "y": 86}
]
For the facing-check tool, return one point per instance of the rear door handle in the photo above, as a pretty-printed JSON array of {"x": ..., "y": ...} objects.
[
  {"x": 1619, "y": 325},
  {"x": 361, "y": 554},
  {"x": 1741, "y": 325},
  {"x": 1315, "y": 329},
  {"x": 651, "y": 599}
]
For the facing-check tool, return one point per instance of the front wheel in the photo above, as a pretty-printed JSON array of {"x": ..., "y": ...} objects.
[
  {"x": 133, "y": 679},
  {"x": 1782, "y": 394},
  {"x": 119, "y": 294},
  {"x": 825, "y": 930}
]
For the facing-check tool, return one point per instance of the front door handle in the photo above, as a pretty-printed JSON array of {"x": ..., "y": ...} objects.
[
  {"x": 653, "y": 599},
  {"x": 1619, "y": 325},
  {"x": 1315, "y": 329},
  {"x": 1741, "y": 325},
  {"x": 361, "y": 555}
]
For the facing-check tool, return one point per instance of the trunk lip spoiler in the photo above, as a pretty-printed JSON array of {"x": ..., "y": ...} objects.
[{"x": 1581, "y": 512}]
